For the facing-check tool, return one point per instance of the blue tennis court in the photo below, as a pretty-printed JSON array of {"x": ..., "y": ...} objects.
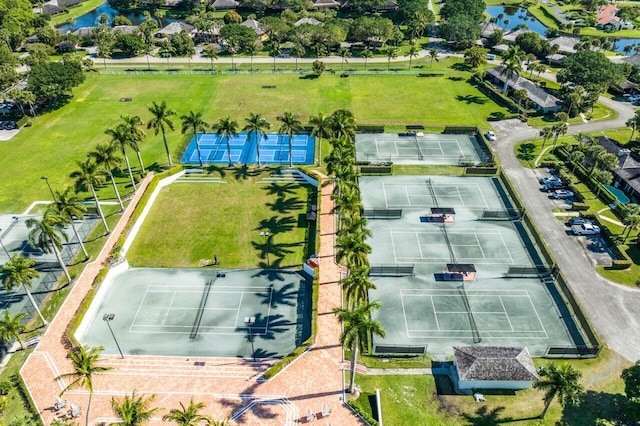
[{"x": 274, "y": 149}]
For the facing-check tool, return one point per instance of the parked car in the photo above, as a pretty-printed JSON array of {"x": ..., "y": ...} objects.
[
  {"x": 579, "y": 221},
  {"x": 551, "y": 180},
  {"x": 490, "y": 135},
  {"x": 585, "y": 229},
  {"x": 561, "y": 194},
  {"x": 10, "y": 125},
  {"x": 491, "y": 56}
]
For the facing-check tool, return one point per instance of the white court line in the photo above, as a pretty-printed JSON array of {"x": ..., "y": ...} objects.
[
  {"x": 513, "y": 293},
  {"x": 404, "y": 314},
  {"x": 239, "y": 304},
  {"x": 479, "y": 246},
  {"x": 384, "y": 193},
  {"x": 166, "y": 315},
  {"x": 460, "y": 196},
  {"x": 505, "y": 312},
  {"x": 435, "y": 313},
  {"x": 484, "y": 200},
  {"x": 393, "y": 246},
  {"x": 406, "y": 194},
  {"x": 537, "y": 316},
  {"x": 473, "y": 312},
  {"x": 419, "y": 248},
  {"x": 440, "y": 148},
  {"x": 506, "y": 247},
  {"x": 135, "y": 317}
]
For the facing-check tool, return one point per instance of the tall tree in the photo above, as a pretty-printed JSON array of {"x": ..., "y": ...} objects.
[
  {"x": 106, "y": 156},
  {"x": 343, "y": 124},
  {"x": 546, "y": 133},
  {"x": 20, "y": 271},
  {"x": 11, "y": 326},
  {"x": 160, "y": 121},
  {"x": 134, "y": 410},
  {"x": 68, "y": 206},
  {"x": 631, "y": 378},
  {"x": 290, "y": 125},
  {"x": 133, "y": 124},
  {"x": 226, "y": 128},
  {"x": 633, "y": 122},
  {"x": 357, "y": 326},
  {"x": 320, "y": 127},
  {"x": 366, "y": 54},
  {"x": 47, "y": 234},
  {"x": 87, "y": 176},
  {"x": 120, "y": 138},
  {"x": 392, "y": 53},
  {"x": 356, "y": 286},
  {"x": 193, "y": 121},
  {"x": 412, "y": 53},
  {"x": 188, "y": 416},
  {"x": 84, "y": 360},
  {"x": 561, "y": 382},
  {"x": 352, "y": 250},
  {"x": 211, "y": 52},
  {"x": 257, "y": 126}
]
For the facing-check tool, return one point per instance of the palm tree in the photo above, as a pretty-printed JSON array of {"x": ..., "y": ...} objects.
[
  {"x": 134, "y": 410},
  {"x": 105, "y": 155},
  {"x": 546, "y": 133},
  {"x": 12, "y": 327},
  {"x": 226, "y": 128},
  {"x": 87, "y": 176},
  {"x": 120, "y": 138},
  {"x": 211, "y": 52},
  {"x": 633, "y": 122},
  {"x": 433, "y": 54},
  {"x": 274, "y": 51},
  {"x": 46, "y": 234},
  {"x": 188, "y": 416},
  {"x": 297, "y": 51},
  {"x": 343, "y": 124},
  {"x": 366, "y": 54},
  {"x": 559, "y": 381},
  {"x": 19, "y": 271},
  {"x": 161, "y": 119},
  {"x": 344, "y": 53},
  {"x": 320, "y": 127},
  {"x": 84, "y": 360},
  {"x": 356, "y": 286},
  {"x": 413, "y": 52},
  {"x": 133, "y": 124},
  {"x": 357, "y": 327},
  {"x": 558, "y": 130},
  {"x": 510, "y": 67},
  {"x": 290, "y": 125},
  {"x": 194, "y": 122},
  {"x": 392, "y": 53},
  {"x": 257, "y": 126},
  {"x": 353, "y": 250},
  {"x": 68, "y": 206}
]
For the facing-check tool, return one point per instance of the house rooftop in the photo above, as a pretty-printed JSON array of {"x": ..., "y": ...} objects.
[
  {"x": 254, "y": 25},
  {"x": 309, "y": 21},
  {"x": 607, "y": 14},
  {"x": 487, "y": 28},
  {"x": 225, "y": 4},
  {"x": 494, "y": 363},
  {"x": 565, "y": 44},
  {"x": 175, "y": 28},
  {"x": 536, "y": 94}
]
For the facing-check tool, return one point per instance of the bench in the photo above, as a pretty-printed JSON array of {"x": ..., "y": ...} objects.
[
  {"x": 32, "y": 341},
  {"x": 189, "y": 171}
]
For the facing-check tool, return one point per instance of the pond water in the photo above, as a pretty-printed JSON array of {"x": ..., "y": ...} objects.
[
  {"x": 514, "y": 16},
  {"x": 90, "y": 19}
]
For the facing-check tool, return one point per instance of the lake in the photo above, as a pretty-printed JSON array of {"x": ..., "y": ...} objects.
[
  {"x": 514, "y": 16},
  {"x": 90, "y": 19}
]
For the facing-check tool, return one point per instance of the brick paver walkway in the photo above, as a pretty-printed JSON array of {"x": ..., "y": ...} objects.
[{"x": 228, "y": 386}]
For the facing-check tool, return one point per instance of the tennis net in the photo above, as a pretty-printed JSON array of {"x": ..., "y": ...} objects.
[{"x": 203, "y": 303}]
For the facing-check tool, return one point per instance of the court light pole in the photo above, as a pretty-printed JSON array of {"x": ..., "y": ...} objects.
[
  {"x": 46, "y": 179},
  {"x": 266, "y": 234},
  {"x": 249, "y": 321},
  {"x": 108, "y": 318},
  {"x": 3, "y": 247}
]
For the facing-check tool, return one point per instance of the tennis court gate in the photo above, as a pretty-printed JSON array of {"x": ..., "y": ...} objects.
[
  {"x": 536, "y": 271},
  {"x": 391, "y": 270},
  {"x": 508, "y": 214},
  {"x": 382, "y": 213},
  {"x": 399, "y": 350}
]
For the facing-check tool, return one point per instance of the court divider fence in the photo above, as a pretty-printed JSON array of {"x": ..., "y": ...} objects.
[
  {"x": 382, "y": 213},
  {"x": 400, "y": 350},
  {"x": 391, "y": 270}
]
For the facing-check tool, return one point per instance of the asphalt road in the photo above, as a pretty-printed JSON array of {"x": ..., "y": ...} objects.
[{"x": 613, "y": 309}]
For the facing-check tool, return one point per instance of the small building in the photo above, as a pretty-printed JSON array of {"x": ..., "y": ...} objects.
[
  {"x": 126, "y": 29},
  {"x": 566, "y": 45},
  {"x": 225, "y": 4},
  {"x": 441, "y": 214},
  {"x": 493, "y": 367},
  {"x": 539, "y": 98},
  {"x": 309, "y": 21},
  {"x": 487, "y": 28},
  {"x": 460, "y": 272},
  {"x": 626, "y": 176},
  {"x": 555, "y": 59},
  {"x": 607, "y": 19},
  {"x": 511, "y": 36},
  {"x": 175, "y": 28},
  {"x": 84, "y": 32},
  {"x": 326, "y": 4}
]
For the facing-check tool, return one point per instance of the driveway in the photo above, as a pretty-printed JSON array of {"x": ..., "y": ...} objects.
[{"x": 613, "y": 310}]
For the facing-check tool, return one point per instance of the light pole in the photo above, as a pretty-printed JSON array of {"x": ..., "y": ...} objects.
[
  {"x": 3, "y": 247},
  {"x": 46, "y": 179},
  {"x": 107, "y": 318},
  {"x": 249, "y": 321},
  {"x": 265, "y": 234}
]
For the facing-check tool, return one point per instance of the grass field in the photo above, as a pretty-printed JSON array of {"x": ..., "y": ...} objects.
[
  {"x": 420, "y": 400},
  {"x": 56, "y": 140},
  {"x": 190, "y": 222}
]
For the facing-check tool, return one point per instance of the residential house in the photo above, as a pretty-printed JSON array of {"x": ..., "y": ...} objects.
[
  {"x": 225, "y": 4},
  {"x": 126, "y": 29},
  {"x": 607, "y": 19},
  {"x": 326, "y": 4},
  {"x": 566, "y": 45},
  {"x": 309, "y": 21},
  {"x": 487, "y": 28},
  {"x": 175, "y": 28},
  {"x": 493, "y": 367},
  {"x": 539, "y": 98},
  {"x": 511, "y": 36},
  {"x": 257, "y": 27},
  {"x": 626, "y": 176}
]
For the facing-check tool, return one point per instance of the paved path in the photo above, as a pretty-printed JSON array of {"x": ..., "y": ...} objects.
[
  {"x": 228, "y": 386},
  {"x": 614, "y": 310}
]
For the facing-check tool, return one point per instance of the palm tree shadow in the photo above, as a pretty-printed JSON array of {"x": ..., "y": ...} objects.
[
  {"x": 594, "y": 406},
  {"x": 285, "y": 205},
  {"x": 280, "y": 189},
  {"x": 285, "y": 295},
  {"x": 244, "y": 172},
  {"x": 472, "y": 99},
  {"x": 212, "y": 169},
  {"x": 277, "y": 225},
  {"x": 485, "y": 417}
]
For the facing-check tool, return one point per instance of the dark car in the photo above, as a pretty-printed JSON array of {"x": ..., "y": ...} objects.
[
  {"x": 561, "y": 194},
  {"x": 578, "y": 221}
]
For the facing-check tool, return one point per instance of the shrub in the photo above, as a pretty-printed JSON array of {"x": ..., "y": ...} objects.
[
  {"x": 580, "y": 207},
  {"x": 620, "y": 264},
  {"x": 5, "y": 387},
  {"x": 365, "y": 416}
]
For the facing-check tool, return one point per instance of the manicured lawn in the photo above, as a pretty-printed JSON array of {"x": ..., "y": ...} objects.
[
  {"x": 56, "y": 140},
  {"x": 413, "y": 399},
  {"x": 190, "y": 222},
  {"x": 75, "y": 12}
]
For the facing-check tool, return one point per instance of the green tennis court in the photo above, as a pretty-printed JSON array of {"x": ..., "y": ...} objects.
[
  {"x": 199, "y": 312},
  {"x": 418, "y": 148},
  {"x": 427, "y": 309}
]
